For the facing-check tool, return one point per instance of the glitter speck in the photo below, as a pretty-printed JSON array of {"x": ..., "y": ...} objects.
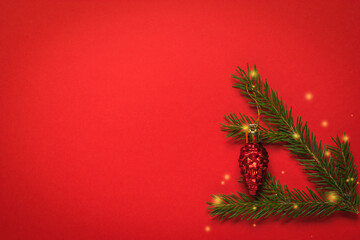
[
  {"x": 217, "y": 200},
  {"x": 308, "y": 96},
  {"x": 282, "y": 172},
  {"x": 222, "y": 182},
  {"x": 253, "y": 73},
  {"x": 332, "y": 197},
  {"x": 227, "y": 176},
  {"x": 296, "y": 135},
  {"x": 254, "y": 225},
  {"x": 324, "y": 123},
  {"x": 207, "y": 229},
  {"x": 328, "y": 153}
]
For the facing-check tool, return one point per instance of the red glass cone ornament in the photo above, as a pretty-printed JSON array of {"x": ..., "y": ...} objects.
[{"x": 253, "y": 161}]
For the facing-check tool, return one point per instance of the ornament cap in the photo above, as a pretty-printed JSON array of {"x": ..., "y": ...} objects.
[{"x": 253, "y": 134}]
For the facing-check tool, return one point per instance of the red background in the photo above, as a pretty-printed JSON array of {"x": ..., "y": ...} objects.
[{"x": 110, "y": 112}]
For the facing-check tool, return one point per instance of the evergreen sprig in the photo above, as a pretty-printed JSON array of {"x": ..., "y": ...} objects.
[
  {"x": 274, "y": 200},
  {"x": 333, "y": 174}
]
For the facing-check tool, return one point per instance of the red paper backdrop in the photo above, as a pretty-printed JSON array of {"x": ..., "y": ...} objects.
[{"x": 110, "y": 112}]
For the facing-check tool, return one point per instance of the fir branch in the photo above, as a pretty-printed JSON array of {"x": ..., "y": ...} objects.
[
  {"x": 299, "y": 139},
  {"x": 273, "y": 201},
  {"x": 335, "y": 175}
]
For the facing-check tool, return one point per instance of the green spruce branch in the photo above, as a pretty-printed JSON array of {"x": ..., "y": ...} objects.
[
  {"x": 333, "y": 173},
  {"x": 274, "y": 200}
]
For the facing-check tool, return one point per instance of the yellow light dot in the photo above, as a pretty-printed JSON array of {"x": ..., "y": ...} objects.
[
  {"x": 357, "y": 183},
  {"x": 347, "y": 180},
  {"x": 346, "y": 138},
  {"x": 245, "y": 127},
  {"x": 332, "y": 197},
  {"x": 352, "y": 179},
  {"x": 207, "y": 229},
  {"x": 282, "y": 172},
  {"x": 217, "y": 200},
  {"x": 296, "y": 206},
  {"x": 254, "y": 225},
  {"x": 253, "y": 73},
  {"x": 327, "y": 153},
  {"x": 308, "y": 96},
  {"x": 296, "y": 135},
  {"x": 324, "y": 123},
  {"x": 227, "y": 176},
  {"x": 254, "y": 207},
  {"x": 222, "y": 182}
]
